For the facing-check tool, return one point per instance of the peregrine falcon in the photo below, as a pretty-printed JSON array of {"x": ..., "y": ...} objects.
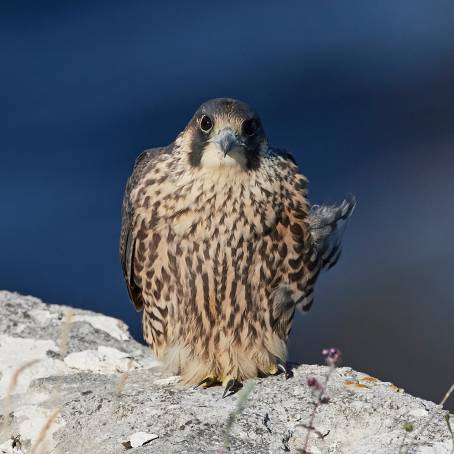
[{"x": 219, "y": 245}]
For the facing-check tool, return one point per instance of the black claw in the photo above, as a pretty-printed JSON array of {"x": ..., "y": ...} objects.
[
  {"x": 232, "y": 387},
  {"x": 287, "y": 372}
]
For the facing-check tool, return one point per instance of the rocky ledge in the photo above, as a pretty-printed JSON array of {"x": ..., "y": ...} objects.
[{"x": 74, "y": 381}]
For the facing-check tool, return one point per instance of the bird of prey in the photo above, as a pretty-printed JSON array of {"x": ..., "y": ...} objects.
[{"x": 219, "y": 245}]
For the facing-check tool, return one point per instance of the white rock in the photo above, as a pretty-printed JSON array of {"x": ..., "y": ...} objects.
[
  {"x": 141, "y": 438},
  {"x": 149, "y": 362},
  {"x": 95, "y": 416},
  {"x": 5, "y": 448},
  {"x": 15, "y": 352},
  {"x": 418, "y": 413},
  {"x": 42, "y": 316},
  {"x": 32, "y": 420},
  {"x": 437, "y": 448},
  {"x": 105, "y": 360},
  {"x": 114, "y": 327},
  {"x": 167, "y": 381}
]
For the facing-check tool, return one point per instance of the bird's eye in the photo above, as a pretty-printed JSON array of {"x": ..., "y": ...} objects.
[
  {"x": 250, "y": 127},
  {"x": 206, "y": 123}
]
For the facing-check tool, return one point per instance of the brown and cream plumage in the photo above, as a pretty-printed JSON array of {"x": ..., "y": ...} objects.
[{"x": 219, "y": 245}]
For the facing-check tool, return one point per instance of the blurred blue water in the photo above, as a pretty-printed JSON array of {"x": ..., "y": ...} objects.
[{"x": 360, "y": 92}]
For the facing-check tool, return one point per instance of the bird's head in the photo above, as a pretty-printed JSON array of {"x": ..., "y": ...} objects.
[{"x": 224, "y": 133}]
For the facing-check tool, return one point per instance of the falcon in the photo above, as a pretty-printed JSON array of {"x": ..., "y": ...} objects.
[{"x": 219, "y": 245}]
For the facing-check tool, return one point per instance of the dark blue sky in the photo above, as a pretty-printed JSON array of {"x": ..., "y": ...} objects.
[{"x": 361, "y": 92}]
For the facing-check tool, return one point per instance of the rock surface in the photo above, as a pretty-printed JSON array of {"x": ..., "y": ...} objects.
[{"x": 78, "y": 383}]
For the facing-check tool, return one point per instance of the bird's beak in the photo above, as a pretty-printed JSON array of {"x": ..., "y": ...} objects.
[{"x": 226, "y": 140}]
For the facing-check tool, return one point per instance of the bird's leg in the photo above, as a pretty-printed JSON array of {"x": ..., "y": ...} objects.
[{"x": 231, "y": 385}]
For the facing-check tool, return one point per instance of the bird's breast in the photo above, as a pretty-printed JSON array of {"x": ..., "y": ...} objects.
[
  {"x": 224, "y": 211},
  {"x": 206, "y": 204}
]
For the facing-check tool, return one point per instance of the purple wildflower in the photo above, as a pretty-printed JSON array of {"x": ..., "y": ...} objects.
[
  {"x": 314, "y": 383},
  {"x": 333, "y": 356}
]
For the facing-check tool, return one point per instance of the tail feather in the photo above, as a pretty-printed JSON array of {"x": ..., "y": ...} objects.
[{"x": 328, "y": 223}]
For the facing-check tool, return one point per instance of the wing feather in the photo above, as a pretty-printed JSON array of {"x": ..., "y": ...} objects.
[
  {"x": 127, "y": 240},
  {"x": 328, "y": 224}
]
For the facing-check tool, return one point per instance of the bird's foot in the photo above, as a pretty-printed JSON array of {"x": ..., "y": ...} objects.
[
  {"x": 280, "y": 368},
  {"x": 207, "y": 382},
  {"x": 288, "y": 373},
  {"x": 231, "y": 385}
]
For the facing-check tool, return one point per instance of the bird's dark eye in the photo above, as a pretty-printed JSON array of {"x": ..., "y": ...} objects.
[
  {"x": 206, "y": 123},
  {"x": 250, "y": 127}
]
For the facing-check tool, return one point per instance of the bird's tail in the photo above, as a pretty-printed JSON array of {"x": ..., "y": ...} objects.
[{"x": 328, "y": 223}]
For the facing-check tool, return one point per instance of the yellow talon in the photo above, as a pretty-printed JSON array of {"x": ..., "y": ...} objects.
[
  {"x": 226, "y": 379},
  {"x": 207, "y": 382}
]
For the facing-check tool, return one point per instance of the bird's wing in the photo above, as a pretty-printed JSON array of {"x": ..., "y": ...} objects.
[
  {"x": 328, "y": 223},
  {"x": 325, "y": 225},
  {"x": 283, "y": 153},
  {"x": 127, "y": 240},
  {"x": 298, "y": 271}
]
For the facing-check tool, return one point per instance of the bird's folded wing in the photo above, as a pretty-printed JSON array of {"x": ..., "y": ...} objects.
[{"x": 127, "y": 239}]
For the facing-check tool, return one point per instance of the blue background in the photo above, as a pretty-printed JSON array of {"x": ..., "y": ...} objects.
[{"x": 361, "y": 92}]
